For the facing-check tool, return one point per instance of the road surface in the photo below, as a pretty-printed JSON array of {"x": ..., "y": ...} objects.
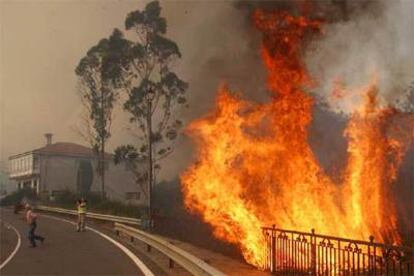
[{"x": 65, "y": 251}]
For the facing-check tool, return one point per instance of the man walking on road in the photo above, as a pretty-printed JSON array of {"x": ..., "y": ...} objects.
[
  {"x": 81, "y": 204},
  {"x": 31, "y": 219}
]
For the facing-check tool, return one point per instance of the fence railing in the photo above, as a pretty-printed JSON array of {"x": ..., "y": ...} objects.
[{"x": 298, "y": 253}]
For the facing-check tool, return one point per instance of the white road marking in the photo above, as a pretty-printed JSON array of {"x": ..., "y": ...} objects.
[
  {"x": 15, "y": 249},
  {"x": 135, "y": 259}
]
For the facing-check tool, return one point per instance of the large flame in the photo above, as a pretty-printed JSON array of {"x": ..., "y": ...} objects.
[{"x": 255, "y": 166}]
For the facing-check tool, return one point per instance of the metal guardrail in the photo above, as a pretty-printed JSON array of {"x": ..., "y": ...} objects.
[
  {"x": 131, "y": 221},
  {"x": 177, "y": 255},
  {"x": 292, "y": 253},
  {"x": 189, "y": 262}
]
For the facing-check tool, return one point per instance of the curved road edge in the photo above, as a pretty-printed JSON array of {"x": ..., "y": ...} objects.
[
  {"x": 10, "y": 257},
  {"x": 128, "y": 252}
]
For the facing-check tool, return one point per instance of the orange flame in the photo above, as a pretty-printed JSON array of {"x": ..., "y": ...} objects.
[
  {"x": 372, "y": 165},
  {"x": 255, "y": 166}
]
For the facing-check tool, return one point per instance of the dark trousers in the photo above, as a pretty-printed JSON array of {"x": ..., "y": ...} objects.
[{"x": 32, "y": 236}]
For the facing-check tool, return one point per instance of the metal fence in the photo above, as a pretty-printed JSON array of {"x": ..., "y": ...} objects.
[{"x": 300, "y": 253}]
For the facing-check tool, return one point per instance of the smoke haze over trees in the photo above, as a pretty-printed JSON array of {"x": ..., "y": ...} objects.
[{"x": 218, "y": 44}]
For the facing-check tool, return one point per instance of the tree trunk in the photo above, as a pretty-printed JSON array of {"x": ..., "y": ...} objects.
[
  {"x": 150, "y": 172},
  {"x": 103, "y": 170},
  {"x": 102, "y": 155}
]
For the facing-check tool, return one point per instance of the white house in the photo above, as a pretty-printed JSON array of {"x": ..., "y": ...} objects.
[{"x": 57, "y": 167}]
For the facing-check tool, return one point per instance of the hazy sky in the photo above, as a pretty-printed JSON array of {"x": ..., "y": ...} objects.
[
  {"x": 43, "y": 41},
  {"x": 41, "y": 44}
]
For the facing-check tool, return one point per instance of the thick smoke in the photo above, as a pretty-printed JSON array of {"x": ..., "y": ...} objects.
[
  {"x": 360, "y": 39},
  {"x": 374, "y": 43},
  {"x": 219, "y": 46}
]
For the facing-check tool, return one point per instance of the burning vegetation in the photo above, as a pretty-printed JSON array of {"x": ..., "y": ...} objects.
[{"x": 255, "y": 166}]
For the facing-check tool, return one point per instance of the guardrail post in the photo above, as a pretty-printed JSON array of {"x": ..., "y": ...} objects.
[
  {"x": 313, "y": 253},
  {"x": 131, "y": 238},
  {"x": 148, "y": 248},
  {"x": 171, "y": 263},
  {"x": 117, "y": 232}
]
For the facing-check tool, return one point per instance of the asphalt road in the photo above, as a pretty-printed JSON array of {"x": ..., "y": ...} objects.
[
  {"x": 65, "y": 251},
  {"x": 8, "y": 241}
]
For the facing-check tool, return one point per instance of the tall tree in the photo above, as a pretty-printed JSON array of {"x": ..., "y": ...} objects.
[
  {"x": 99, "y": 76},
  {"x": 148, "y": 72}
]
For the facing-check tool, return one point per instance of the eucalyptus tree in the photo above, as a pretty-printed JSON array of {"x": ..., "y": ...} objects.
[
  {"x": 152, "y": 90},
  {"x": 99, "y": 76}
]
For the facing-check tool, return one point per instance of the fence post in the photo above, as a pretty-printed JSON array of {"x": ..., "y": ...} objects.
[
  {"x": 313, "y": 253},
  {"x": 273, "y": 250},
  {"x": 371, "y": 256}
]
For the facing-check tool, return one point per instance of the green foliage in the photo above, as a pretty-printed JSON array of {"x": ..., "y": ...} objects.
[
  {"x": 149, "y": 18},
  {"x": 126, "y": 152},
  {"x": 118, "y": 209},
  {"x": 96, "y": 204},
  {"x": 100, "y": 75},
  {"x": 135, "y": 67},
  {"x": 66, "y": 199},
  {"x": 168, "y": 200},
  {"x": 148, "y": 68},
  {"x": 129, "y": 155},
  {"x": 17, "y": 196}
]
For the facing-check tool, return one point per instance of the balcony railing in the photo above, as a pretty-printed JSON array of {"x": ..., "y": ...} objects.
[
  {"x": 22, "y": 173},
  {"x": 299, "y": 253}
]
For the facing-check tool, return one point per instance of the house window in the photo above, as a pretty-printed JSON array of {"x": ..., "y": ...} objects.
[
  {"x": 36, "y": 163},
  {"x": 26, "y": 184},
  {"x": 132, "y": 195}
]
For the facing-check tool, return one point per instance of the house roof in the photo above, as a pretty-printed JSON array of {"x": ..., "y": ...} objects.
[{"x": 65, "y": 149}]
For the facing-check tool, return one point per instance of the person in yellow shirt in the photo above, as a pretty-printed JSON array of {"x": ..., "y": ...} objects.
[{"x": 81, "y": 206}]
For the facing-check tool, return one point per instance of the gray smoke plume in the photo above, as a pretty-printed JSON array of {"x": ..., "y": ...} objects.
[
  {"x": 375, "y": 43},
  {"x": 220, "y": 44},
  {"x": 361, "y": 39}
]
